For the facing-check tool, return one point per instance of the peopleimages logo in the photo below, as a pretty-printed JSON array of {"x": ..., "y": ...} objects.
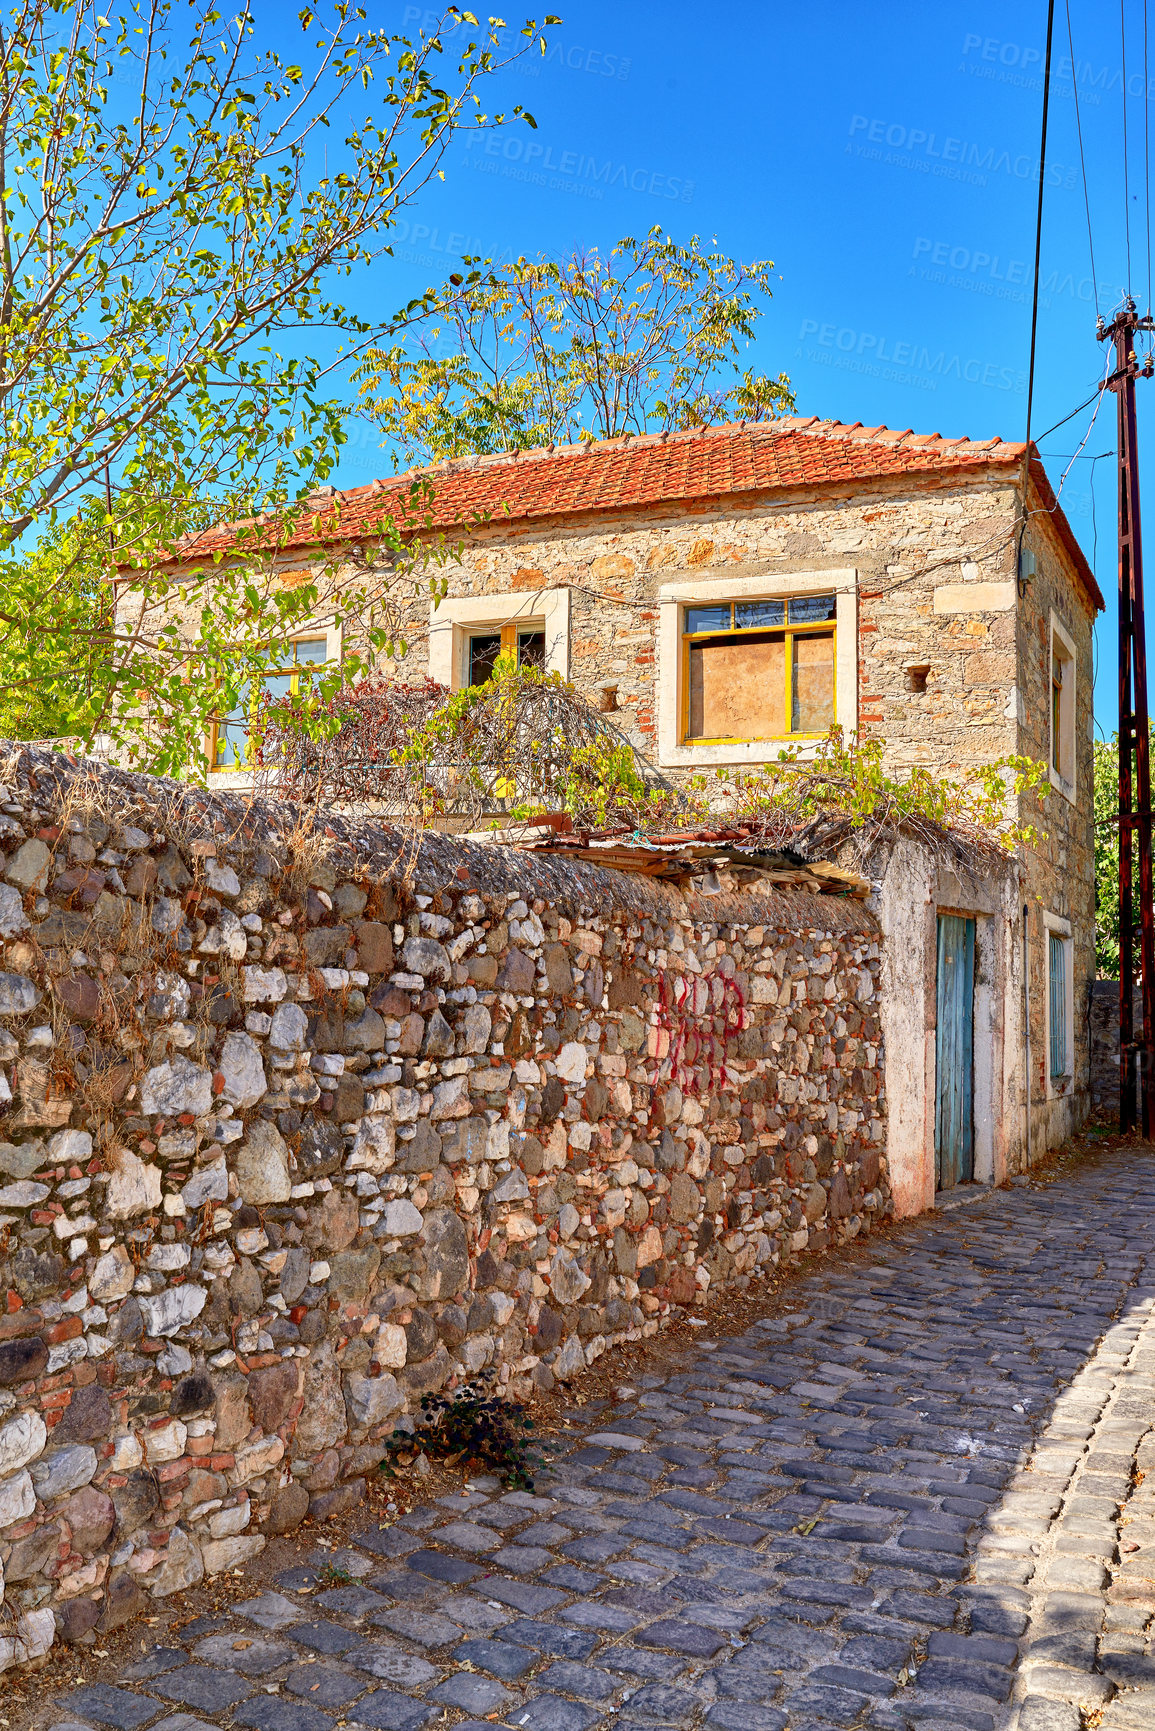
[
  {"x": 569, "y": 55},
  {"x": 456, "y": 244},
  {"x": 531, "y": 160},
  {"x": 953, "y": 158},
  {"x": 1012, "y": 62},
  {"x": 969, "y": 268},
  {"x": 904, "y": 362},
  {"x": 941, "y": 252},
  {"x": 977, "y": 271}
]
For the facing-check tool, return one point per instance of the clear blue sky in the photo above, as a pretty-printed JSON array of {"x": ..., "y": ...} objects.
[{"x": 883, "y": 157}]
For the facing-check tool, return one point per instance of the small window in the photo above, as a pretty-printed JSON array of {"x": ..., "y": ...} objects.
[
  {"x": 531, "y": 649},
  {"x": 1060, "y": 1059},
  {"x": 484, "y": 647},
  {"x": 231, "y": 743},
  {"x": 759, "y": 669},
  {"x": 1062, "y": 707},
  {"x": 484, "y": 650}
]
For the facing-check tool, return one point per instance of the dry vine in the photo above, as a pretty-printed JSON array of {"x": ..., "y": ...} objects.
[{"x": 507, "y": 751}]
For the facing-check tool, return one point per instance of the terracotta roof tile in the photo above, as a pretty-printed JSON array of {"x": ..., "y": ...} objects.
[{"x": 631, "y": 473}]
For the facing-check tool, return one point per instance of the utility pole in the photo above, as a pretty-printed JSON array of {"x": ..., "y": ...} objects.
[{"x": 1134, "y": 790}]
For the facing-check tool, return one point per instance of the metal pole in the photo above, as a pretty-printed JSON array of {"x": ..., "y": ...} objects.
[
  {"x": 1134, "y": 741},
  {"x": 1027, "y": 1015},
  {"x": 1127, "y": 1100},
  {"x": 1142, "y": 815}
]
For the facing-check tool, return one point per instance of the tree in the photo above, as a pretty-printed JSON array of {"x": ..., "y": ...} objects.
[
  {"x": 1106, "y": 796},
  {"x": 554, "y": 350},
  {"x": 168, "y": 226},
  {"x": 56, "y": 698}
]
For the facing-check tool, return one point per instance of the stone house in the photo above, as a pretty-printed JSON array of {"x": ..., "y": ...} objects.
[{"x": 732, "y": 590}]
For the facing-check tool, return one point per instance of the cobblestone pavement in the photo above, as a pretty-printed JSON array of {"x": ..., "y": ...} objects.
[{"x": 829, "y": 1521}]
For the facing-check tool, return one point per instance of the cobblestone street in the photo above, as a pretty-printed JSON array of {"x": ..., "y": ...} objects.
[{"x": 916, "y": 1500}]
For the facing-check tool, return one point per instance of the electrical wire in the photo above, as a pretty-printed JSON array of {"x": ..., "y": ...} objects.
[
  {"x": 1087, "y": 434},
  {"x": 1126, "y": 178},
  {"x": 1083, "y": 161},
  {"x": 1039, "y": 236},
  {"x": 1094, "y": 562},
  {"x": 1147, "y": 152},
  {"x": 1025, "y": 476},
  {"x": 1085, "y": 404},
  {"x": 1001, "y": 539}
]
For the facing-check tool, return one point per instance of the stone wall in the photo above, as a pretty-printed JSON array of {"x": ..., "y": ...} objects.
[
  {"x": 935, "y": 564},
  {"x": 301, "y": 1123},
  {"x": 1060, "y": 867},
  {"x": 1104, "y": 1019},
  {"x": 953, "y": 663}
]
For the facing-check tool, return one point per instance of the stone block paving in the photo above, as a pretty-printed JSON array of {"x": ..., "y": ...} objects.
[{"x": 913, "y": 1503}]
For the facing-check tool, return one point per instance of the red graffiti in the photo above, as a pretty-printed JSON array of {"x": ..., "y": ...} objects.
[{"x": 699, "y": 1042}]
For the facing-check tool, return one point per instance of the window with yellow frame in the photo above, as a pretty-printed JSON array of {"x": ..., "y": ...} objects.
[
  {"x": 230, "y": 745},
  {"x": 758, "y": 669},
  {"x": 483, "y": 646},
  {"x": 1062, "y": 709}
]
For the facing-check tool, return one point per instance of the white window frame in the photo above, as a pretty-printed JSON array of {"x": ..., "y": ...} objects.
[
  {"x": 1067, "y": 709},
  {"x": 1054, "y": 925},
  {"x": 674, "y": 598},
  {"x": 233, "y": 777},
  {"x": 458, "y": 617}
]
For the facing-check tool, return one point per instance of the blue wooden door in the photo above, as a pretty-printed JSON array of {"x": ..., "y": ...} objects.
[{"x": 954, "y": 1121}]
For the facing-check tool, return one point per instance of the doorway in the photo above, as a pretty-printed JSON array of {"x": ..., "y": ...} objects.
[{"x": 954, "y": 1119}]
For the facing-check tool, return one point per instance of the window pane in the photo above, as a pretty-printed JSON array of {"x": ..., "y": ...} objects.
[
  {"x": 531, "y": 649},
  {"x": 708, "y": 618},
  {"x": 276, "y": 687},
  {"x": 738, "y": 688},
  {"x": 312, "y": 649},
  {"x": 751, "y": 615},
  {"x": 813, "y": 696},
  {"x": 483, "y": 653},
  {"x": 1058, "y": 1005},
  {"x": 232, "y": 745},
  {"x": 810, "y": 609},
  {"x": 233, "y": 733}
]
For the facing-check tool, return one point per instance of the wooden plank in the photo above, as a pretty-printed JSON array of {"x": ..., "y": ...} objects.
[{"x": 954, "y": 1052}]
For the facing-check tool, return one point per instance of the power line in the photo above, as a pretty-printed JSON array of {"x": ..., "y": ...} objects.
[
  {"x": 1085, "y": 404},
  {"x": 1147, "y": 151},
  {"x": 1038, "y": 242},
  {"x": 1094, "y": 568},
  {"x": 1126, "y": 181},
  {"x": 1086, "y": 435},
  {"x": 1083, "y": 161}
]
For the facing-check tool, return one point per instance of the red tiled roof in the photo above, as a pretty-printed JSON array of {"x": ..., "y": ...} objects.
[{"x": 731, "y": 461}]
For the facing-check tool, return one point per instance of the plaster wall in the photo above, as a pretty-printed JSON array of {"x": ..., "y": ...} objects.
[{"x": 914, "y": 887}]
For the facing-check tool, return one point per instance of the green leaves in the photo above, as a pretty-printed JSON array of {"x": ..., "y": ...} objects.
[
  {"x": 552, "y": 351},
  {"x": 848, "y": 776},
  {"x": 1106, "y": 797},
  {"x": 162, "y": 243}
]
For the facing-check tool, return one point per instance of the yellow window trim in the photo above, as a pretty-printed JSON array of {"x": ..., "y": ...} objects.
[
  {"x": 819, "y": 628},
  {"x": 509, "y": 636},
  {"x": 294, "y": 673}
]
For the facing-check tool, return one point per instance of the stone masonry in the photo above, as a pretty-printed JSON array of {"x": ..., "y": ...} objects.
[
  {"x": 917, "y": 1495},
  {"x": 952, "y": 651},
  {"x": 301, "y": 1124}
]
